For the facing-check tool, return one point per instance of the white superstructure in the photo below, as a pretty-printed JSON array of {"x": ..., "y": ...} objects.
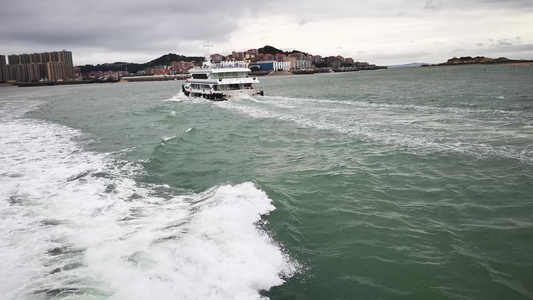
[{"x": 221, "y": 81}]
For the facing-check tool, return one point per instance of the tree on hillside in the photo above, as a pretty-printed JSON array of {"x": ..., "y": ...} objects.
[{"x": 270, "y": 50}]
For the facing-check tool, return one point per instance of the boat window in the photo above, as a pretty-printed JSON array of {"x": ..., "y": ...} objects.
[
  {"x": 237, "y": 87},
  {"x": 199, "y": 76},
  {"x": 227, "y": 75}
]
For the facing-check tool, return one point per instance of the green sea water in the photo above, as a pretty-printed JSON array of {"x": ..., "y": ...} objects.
[{"x": 411, "y": 183}]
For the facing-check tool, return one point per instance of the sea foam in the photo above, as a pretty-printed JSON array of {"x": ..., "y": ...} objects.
[{"x": 76, "y": 223}]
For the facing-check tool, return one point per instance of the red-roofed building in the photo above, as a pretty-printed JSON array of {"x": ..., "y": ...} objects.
[
  {"x": 298, "y": 56},
  {"x": 335, "y": 61},
  {"x": 280, "y": 57},
  {"x": 253, "y": 52},
  {"x": 217, "y": 58},
  {"x": 317, "y": 59}
]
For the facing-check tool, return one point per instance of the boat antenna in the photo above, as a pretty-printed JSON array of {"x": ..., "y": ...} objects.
[{"x": 207, "y": 61}]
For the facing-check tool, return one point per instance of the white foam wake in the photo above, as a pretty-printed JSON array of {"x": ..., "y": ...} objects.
[
  {"x": 75, "y": 223},
  {"x": 472, "y": 132}
]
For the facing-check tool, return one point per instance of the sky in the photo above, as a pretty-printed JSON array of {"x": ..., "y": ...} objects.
[{"x": 382, "y": 32}]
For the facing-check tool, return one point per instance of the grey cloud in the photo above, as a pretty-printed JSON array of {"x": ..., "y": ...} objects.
[
  {"x": 162, "y": 26},
  {"x": 509, "y": 4},
  {"x": 119, "y": 25},
  {"x": 474, "y": 5},
  {"x": 504, "y": 43},
  {"x": 507, "y": 42},
  {"x": 433, "y": 5},
  {"x": 411, "y": 56},
  {"x": 511, "y": 48}
]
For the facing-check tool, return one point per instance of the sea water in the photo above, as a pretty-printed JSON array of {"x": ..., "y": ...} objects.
[{"x": 393, "y": 184}]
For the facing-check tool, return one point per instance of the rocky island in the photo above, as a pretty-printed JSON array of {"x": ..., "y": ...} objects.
[{"x": 466, "y": 60}]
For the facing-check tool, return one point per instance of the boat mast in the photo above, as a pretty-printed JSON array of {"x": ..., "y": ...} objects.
[{"x": 207, "y": 61}]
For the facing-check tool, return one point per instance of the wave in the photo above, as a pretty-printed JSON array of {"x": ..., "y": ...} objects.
[
  {"x": 474, "y": 132},
  {"x": 285, "y": 101},
  {"x": 75, "y": 222},
  {"x": 180, "y": 97},
  {"x": 167, "y": 138}
]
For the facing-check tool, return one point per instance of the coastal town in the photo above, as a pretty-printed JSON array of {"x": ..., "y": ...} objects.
[{"x": 57, "y": 66}]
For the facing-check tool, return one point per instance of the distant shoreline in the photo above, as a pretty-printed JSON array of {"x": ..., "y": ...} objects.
[
  {"x": 481, "y": 60},
  {"x": 481, "y": 64}
]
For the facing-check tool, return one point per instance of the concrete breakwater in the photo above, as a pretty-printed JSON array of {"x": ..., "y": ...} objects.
[
  {"x": 45, "y": 83},
  {"x": 108, "y": 80},
  {"x": 155, "y": 78}
]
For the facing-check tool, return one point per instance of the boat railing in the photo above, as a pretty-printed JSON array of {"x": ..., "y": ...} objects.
[{"x": 223, "y": 65}]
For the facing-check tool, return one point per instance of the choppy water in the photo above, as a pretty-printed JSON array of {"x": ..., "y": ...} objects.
[{"x": 395, "y": 184}]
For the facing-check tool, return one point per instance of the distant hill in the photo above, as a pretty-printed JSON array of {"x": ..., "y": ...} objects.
[
  {"x": 465, "y": 60},
  {"x": 272, "y": 50},
  {"x": 166, "y": 59},
  {"x": 475, "y": 60}
]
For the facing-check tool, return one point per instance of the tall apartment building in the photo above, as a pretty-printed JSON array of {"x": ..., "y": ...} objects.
[
  {"x": 34, "y": 67},
  {"x": 3, "y": 76},
  {"x": 13, "y": 59}
]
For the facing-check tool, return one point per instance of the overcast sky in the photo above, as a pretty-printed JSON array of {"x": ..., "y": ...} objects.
[{"x": 383, "y": 32}]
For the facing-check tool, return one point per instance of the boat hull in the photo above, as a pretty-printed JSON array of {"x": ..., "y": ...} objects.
[{"x": 222, "y": 95}]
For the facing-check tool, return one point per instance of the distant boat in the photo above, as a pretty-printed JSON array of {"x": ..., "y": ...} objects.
[{"x": 221, "y": 81}]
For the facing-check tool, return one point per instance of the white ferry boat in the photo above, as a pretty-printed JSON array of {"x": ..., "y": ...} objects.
[{"x": 221, "y": 81}]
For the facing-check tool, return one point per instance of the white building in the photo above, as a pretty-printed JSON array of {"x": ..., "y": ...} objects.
[
  {"x": 273, "y": 65},
  {"x": 302, "y": 64}
]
